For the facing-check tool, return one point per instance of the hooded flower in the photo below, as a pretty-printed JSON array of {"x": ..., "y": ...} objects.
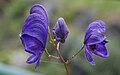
[
  {"x": 60, "y": 30},
  {"x": 95, "y": 41},
  {"x": 34, "y": 33}
]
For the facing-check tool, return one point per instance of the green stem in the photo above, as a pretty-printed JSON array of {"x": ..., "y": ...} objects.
[{"x": 75, "y": 55}]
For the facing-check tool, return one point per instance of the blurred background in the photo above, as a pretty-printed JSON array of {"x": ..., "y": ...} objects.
[{"x": 78, "y": 14}]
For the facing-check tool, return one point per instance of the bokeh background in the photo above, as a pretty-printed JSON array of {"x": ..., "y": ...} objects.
[{"x": 78, "y": 14}]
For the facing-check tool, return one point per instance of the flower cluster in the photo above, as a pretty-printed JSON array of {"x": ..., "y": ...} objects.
[{"x": 35, "y": 31}]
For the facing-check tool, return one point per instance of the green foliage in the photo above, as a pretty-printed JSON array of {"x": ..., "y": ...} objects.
[{"x": 13, "y": 16}]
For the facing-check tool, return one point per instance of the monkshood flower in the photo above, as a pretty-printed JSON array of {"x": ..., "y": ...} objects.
[
  {"x": 60, "y": 30},
  {"x": 34, "y": 33},
  {"x": 95, "y": 41}
]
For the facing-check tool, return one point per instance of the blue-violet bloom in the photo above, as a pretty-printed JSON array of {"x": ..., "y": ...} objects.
[
  {"x": 95, "y": 41},
  {"x": 60, "y": 30},
  {"x": 34, "y": 33}
]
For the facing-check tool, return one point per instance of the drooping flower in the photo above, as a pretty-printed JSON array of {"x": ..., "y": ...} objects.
[
  {"x": 95, "y": 41},
  {"x": 60, "y": 30},
  {"x": 34, "y": 33}
]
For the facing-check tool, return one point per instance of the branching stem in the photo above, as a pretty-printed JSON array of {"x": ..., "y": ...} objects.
[
  {"x": 75, "y": 55},
  {"x": 49, "y": 55}
]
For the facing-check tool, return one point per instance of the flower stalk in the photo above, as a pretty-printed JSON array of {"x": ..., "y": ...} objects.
[
  {"x": 73, "y": 56},
  {"x": 58, "y": 51}
]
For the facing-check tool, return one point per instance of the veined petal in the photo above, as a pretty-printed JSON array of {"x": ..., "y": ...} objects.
[
  {"x": 98, "y": 25},
  {"x": 33, "y": 26},
  {"x": 38, "y": 32},
  {"x": 34, "y": 18},
  {"x": 101, "y": 51},
  {"x": 95, "y": 32},
  {"x": 89, "y": 56},
  {"x": 37, "y": 8},
  {"x": 95, "y": 38},
  {"x": 31, "y": 44}
]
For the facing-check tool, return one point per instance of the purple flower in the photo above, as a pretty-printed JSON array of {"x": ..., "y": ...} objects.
[
  {"x": 60, "y": 30},
  {"x": 95, "y": 41},
  {"x": 34, "y": 33}
]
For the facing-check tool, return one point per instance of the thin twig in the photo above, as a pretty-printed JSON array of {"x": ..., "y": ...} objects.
[
  {"x": 74, "y": 55},
  {"x": 63, "y": 61},
  {"x": 58, "y": 45},
  {"x": 49, "y": 55}
]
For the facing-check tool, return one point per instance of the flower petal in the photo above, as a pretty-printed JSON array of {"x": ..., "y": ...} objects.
[
  {"x": 32, "y": 59},
  {"x": 98, "y": 25},
  {"x": 37, "y": 8},
  {"x": 38, "y": 62},
  {"x": 95, "y": 38},
  {"x": 32, "y": 19},
  {"x": 89, "y": 56},
  {"x": 95, "y": 31},
  {"x": 60, "y": 30},
  {"x": 31, "y": 44},
  {"x": 33, "y": 26},
  {"x": 101, "y": 51}
]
